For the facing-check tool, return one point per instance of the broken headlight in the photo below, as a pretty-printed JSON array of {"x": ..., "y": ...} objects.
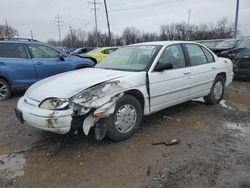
[
  {"x": 98, "y": 95},
  {"x": 54, "y": 104}
]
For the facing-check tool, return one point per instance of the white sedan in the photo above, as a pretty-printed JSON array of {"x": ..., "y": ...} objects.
[{"x": 136, "y": 80}]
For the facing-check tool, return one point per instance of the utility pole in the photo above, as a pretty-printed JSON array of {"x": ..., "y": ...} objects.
[
  {"x": 7, "y": 29},
  {"x": 236, "y": 19},
  {"x": 188, "y": 27},
  {"x": 107, "y": 16},
  {"x": 71, "y": 35},
  {"x": 96, "y": 30},
  {"x": 58, "y": 20},
  {"x": 31, "y": 34}
]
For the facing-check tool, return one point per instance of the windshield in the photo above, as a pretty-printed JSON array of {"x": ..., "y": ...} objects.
[
  {"x": 130, "y": 58},
  {"x": 226, "y": 44},
  {"x": 245, "y": 44}
]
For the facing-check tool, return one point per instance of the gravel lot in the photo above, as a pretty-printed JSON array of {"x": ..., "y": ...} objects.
[{"x": 214, "y": 150}]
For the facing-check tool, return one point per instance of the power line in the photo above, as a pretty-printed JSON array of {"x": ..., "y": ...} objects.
[
  {"x": 96, "y": 30},
  {"x": 58, "y": 20}
]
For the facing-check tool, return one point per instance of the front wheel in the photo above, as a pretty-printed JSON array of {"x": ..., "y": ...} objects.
[
  {"x": 5, "y": 90},
  {"x": 125, "y": 120},
  {"x": 216, "y": 92}
]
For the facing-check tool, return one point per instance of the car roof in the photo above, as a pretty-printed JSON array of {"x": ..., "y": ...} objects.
[
  {"x": 163, "y": 43},
  {"x": 23, "y": 42}
]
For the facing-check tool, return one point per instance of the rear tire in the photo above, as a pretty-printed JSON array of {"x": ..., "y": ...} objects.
[
  {"x": 125, "y": 120},
  {"x": 216, "y": 92},
  {"x": 5, "y": 90}
]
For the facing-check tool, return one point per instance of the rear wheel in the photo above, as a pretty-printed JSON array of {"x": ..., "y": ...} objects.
[
  {"x": 217, "y": 91},
  {"x": 125, "y": 120},
  {"x": 4, "y": 90}
]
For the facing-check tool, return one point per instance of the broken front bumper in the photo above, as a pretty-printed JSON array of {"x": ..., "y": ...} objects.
[{"x": 53, "y": 121}]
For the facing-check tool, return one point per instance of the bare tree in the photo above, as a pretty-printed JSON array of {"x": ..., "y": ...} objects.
[
  {"x": 7, "y": 31},
  {"x": 131, "y": 35}
]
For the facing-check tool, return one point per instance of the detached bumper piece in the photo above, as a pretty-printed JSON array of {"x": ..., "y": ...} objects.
[{"x": 19, "y": 115}]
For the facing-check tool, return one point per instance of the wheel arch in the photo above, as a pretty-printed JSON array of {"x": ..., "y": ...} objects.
[
  {"x": 6, "y": 79},
  {"x": 223, "y": 74},
  {"x": 138, "y": 95}
]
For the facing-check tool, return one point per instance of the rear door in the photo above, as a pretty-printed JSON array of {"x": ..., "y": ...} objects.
[
  {"x": 203, "y": 70},
  {"x": 47, "y": 61},
  {"x": 170, "y": 87},
  {"x": 16, "y": 64}
]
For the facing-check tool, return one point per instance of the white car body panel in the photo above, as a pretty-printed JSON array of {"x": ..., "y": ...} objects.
[{"x": 164, "y": 89}]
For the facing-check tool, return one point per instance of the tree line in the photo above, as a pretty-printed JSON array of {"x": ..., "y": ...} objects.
[{"x": 222, "y": 29}]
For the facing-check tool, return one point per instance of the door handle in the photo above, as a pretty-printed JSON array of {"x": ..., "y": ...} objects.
[
  {"x": 214, "y": 67},
  {"x": 2, "y": 64},
  {"x": 39, "y": 63},
  {"x": 188, "y": 72}
]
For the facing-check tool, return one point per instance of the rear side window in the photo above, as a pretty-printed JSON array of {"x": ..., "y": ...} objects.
[
  {"x": 8, "y": 50},
  {"x": 109, "y": 51},
  {"x": 210, "y": 57},
  {"x": 196, "y": 54}
]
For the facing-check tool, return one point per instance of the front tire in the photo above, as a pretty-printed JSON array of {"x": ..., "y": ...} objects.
[
  {"x": 5, "y": 90},
  {"x": 216, "y": 92},
  {"x": 125, "y": 120}
]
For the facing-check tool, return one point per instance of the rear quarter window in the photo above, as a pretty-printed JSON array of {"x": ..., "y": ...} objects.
[
  {"x": 12, "y": 50},
  {"x": 210, "y": 57}
]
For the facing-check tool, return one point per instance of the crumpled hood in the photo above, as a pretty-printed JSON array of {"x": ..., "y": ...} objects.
[{"x": 70, "y": 83}]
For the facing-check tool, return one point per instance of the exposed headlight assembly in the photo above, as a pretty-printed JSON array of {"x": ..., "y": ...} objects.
[{"x": 54, "y": 104}]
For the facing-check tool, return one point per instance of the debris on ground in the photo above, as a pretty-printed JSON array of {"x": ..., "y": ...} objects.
[
  {"x": 148, "y": 170},
  {"x": 167, "y": 142},
  {"x": 168, "y": 118}
]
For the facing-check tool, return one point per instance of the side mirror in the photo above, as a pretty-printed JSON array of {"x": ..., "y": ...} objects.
[
  {"x": 160, "y": 66},
  {"x": 61, "y": 57}
]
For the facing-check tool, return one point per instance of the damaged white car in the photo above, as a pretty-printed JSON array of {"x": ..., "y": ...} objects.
[{"x": 136, "y": 80}]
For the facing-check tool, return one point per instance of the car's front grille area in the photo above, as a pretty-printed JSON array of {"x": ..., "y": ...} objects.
[{"x": 243, "y": 64}]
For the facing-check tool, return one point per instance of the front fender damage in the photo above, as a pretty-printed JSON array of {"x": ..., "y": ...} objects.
[{"x": 99, "y": 102}]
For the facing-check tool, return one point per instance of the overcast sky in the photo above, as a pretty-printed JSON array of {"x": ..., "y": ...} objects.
[{"x": 146, "y": 15}]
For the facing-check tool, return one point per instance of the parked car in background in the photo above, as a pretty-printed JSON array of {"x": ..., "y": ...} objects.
[
  {"x": 99, "y": 54},
  {"x": 83, "y": 50},
  {"x": 241, "y": 59},
  {"x": 25, "y": 61},
  {"x": 135, "y": 80},
  {"x": 226, "y": 45}
]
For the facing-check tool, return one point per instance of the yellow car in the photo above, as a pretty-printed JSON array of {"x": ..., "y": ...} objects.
[{"x": 99, "y": 54}]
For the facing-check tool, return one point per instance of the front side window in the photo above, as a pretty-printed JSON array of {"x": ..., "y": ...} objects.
[
  {"x": 173, "y": 55},
  {"x": 130, "y": 58},
  {"x": 11, "y": 50},
  {"x": 197, "y": 56},
  {"x": 41, "y": 51}
]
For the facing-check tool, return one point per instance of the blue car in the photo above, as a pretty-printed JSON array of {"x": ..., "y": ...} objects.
[{"x": 26, "y": 61}]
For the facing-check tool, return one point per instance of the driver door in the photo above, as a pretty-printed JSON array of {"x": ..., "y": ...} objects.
[
  {"x": 172, "y": 86},
  {"x": 46, "y": 61}
]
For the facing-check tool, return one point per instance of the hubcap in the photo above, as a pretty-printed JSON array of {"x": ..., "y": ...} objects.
[
  {"x": 125, "y": 118},
  {"x": 3, "y": 90},
  {"x": 218, "y": 89}
]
